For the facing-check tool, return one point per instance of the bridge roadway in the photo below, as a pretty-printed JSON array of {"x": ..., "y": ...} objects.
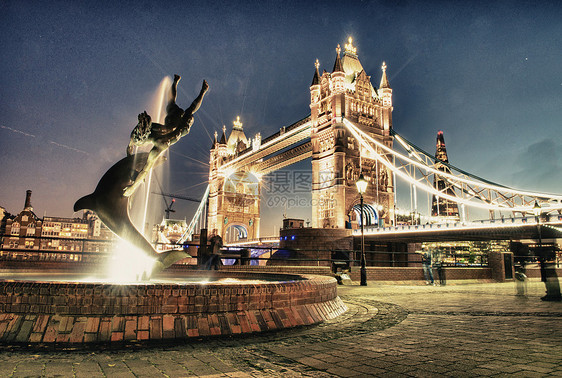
[
  {"x": 506, "y": 229},
  {"x": 499, "y": 229}
]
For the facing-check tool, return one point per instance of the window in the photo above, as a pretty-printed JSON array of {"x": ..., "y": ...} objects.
[{"x": 15, "y": 228}]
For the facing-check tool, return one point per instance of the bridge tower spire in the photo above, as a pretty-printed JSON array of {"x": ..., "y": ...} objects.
[
  {"x": 316, "y": 78},
  {"x": 338, "y": 75},
  {"x": 315, "y": 88},
  {"x": 385, "y": 93},
  {"x": 337, "y": 158}
]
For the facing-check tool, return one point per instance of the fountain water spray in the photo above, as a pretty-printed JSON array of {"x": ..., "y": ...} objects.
[
  {"x": 158, "y": 105},
  {"x": 128, "y": 264}
]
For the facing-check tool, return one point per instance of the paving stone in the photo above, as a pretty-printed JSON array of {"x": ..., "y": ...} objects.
[
  {"x": 6, "y": 369},
  {"x": 502, "y": 367},
  {"x": 389, "y": 330},
  {"x": 87, "y": 369},
  {"x": 535, "y": 368},
  {"x": 58, "y": 369},
  {"x": 29, "y": 368},
  {"x": 405, "y": 369},
  {"x": 238, "y": 374},
  {"x": 315, "y": 363},
  {"x": 343, "y": 372},
  {"x": 142, "y": 368},
  {"x": 527, "y": 374},
  {"x": 116, "y": 369}
]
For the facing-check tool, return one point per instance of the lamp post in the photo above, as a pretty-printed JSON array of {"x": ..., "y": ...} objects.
[
  {"x": 362, "y": 188},
  {"x": 537, "y": 212},
  {"x": 539, "y": 251},
  {"x": 542, "y": 257}
]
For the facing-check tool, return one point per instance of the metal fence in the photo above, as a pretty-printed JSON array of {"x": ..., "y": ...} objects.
[{"x": 97, "y": 250}]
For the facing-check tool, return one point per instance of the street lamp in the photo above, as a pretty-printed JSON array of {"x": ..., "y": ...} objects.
[
  {"x": 537, "y": 209},
  {"x": 537, "y": 212},
  {"x": 362, "y": 188}
]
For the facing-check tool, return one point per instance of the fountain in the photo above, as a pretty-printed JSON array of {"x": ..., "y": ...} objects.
[
  {"x": 214, "y": 304},
  {"x": 157, "y": 305}
]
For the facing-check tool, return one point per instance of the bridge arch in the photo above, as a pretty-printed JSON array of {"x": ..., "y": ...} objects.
[
  {"x": 370, "y": 214},
  {"x": 235, "y": 232}
]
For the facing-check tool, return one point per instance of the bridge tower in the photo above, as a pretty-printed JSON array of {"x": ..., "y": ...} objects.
[
  {"x": 337, "y": 158},
  {"x": 234, "y": 196}
]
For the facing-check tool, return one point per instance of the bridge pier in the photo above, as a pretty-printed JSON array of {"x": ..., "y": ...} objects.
[
  {"x": 501, "y": 265},
  {"x": 316, "y": 243}
]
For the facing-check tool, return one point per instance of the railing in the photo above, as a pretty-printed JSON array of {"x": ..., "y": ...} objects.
[
  {"x": 485, "y": 223},
  {"x": 270, "y": 255},
  {"x": 325, "y": 257}
]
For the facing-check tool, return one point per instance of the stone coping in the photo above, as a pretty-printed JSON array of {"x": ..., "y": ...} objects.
[{"x": 78, "y": 312}]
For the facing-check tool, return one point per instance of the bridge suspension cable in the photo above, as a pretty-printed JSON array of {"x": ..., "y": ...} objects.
[
  {"x": 473, "y": 191},
  {"x": 201, "y": 212}
]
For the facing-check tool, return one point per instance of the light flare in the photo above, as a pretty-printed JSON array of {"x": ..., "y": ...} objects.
[{"x": 129, "y": 264}]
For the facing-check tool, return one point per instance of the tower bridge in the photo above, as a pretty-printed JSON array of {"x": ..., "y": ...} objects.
[{"x": 349, "y": 132}]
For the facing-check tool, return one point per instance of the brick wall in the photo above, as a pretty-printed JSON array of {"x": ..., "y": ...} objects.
[
  {"x": 318, "y": 270},
  {"x": 536, "y": 272},
  {"x": 416, "y": 274},
  {"x": 374, "y": 273}
]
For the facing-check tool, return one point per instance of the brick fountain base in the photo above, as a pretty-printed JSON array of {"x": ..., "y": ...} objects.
[{"x": 70, "y": 312}]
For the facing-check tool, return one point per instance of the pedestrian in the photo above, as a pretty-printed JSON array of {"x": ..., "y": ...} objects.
[
  {"x": 521, "y": 280},
  {"x": 427, "y": 268},
  {"x": 440, "y": 269}
]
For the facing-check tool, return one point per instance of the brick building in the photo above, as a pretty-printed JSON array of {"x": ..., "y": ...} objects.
[
  {"x": 28, "y": 237},
  {"x": 22, "y": 231}
]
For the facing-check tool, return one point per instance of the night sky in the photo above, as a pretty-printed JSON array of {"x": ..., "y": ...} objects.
[{"x": 74, "y": 76}]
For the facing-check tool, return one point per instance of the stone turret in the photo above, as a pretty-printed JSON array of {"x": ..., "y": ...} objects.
[
  {"x": 316, "y": 78},
  {"x": 338, "y": 74},
  {"x": 384, "y": 89},
  {"x": 214, "y": 141},
  {"x": 315, "y": 86},
  {"x": 223, "y": 137}
]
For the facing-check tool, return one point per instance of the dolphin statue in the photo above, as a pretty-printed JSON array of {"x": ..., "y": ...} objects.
[{"x": 112, "y": 207}]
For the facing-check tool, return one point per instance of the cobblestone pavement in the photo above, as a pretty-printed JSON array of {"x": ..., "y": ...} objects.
[{"x": 389, "y": 330}]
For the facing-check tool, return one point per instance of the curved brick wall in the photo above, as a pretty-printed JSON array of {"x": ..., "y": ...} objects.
[{"x": 74, "y": 312}]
